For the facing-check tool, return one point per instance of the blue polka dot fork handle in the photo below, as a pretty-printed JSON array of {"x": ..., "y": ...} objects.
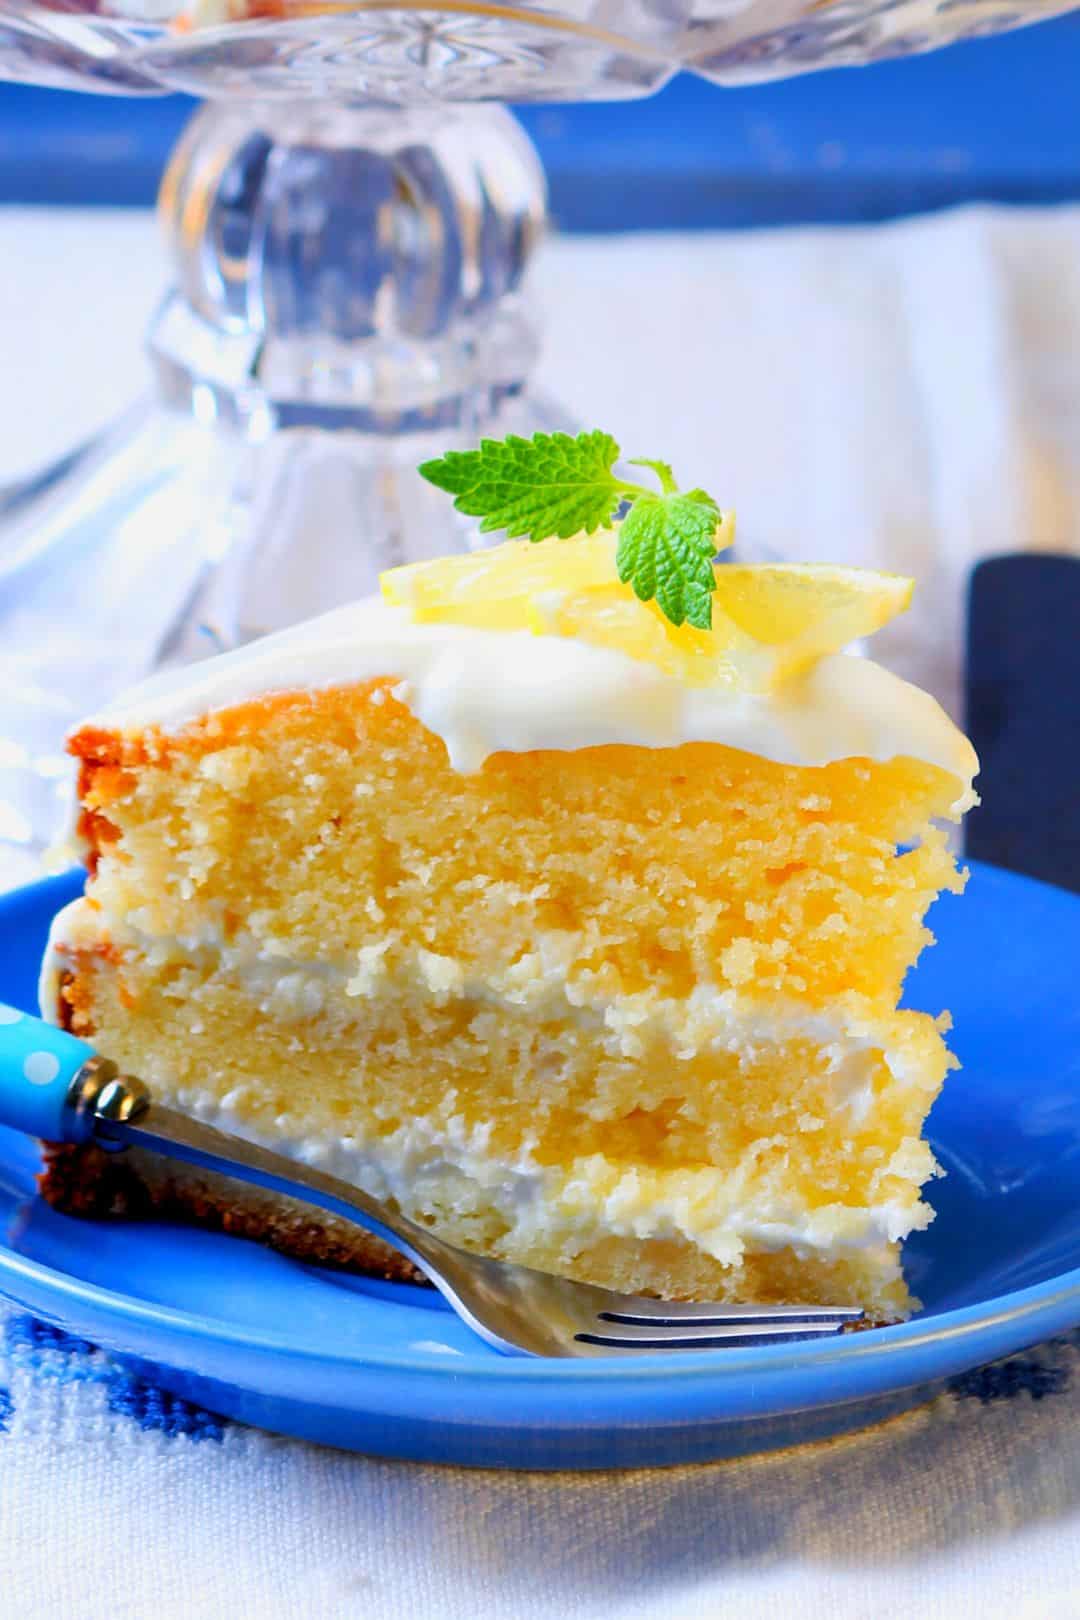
[
  {"x": 56, "y": 1087},
  {"x": 53, "y": 1085}
]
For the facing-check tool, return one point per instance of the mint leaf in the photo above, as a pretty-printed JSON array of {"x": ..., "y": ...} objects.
[
  {"x": 546, "y": 486},
  {"x": 553, "y": 485},
  {"x": 665, "y": 552}
]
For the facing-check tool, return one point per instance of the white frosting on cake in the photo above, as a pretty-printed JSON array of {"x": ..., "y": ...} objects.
[{"x": 490, "y": 691}]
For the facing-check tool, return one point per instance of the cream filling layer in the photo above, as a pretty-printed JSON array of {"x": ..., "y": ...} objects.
[
  {"x": 447, "y": 1165},
  {"x": 449, "y": 1170},
  {"x": 544, "y": 983},
  {"x": 491, "y": 691}
]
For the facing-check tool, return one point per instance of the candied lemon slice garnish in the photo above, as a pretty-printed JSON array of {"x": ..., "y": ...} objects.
[
  {"x": 612, "y": 616},
  {"x": 495, "y": 588},
  {"x": 769, "y": 621},
  {"x": 807, "y": 609}
]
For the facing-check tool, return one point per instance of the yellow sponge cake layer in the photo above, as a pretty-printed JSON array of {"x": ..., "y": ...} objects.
[{"x": 331, "y": 827}]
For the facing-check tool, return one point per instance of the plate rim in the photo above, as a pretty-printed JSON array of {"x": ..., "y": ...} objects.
[{"x": 1048, "y": 1307}]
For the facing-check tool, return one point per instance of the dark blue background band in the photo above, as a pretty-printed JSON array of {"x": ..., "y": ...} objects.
[{"x": 991, "y": 120}]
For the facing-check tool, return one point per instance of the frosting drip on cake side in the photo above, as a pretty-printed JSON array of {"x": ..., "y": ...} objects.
[{"x": 491, "y": 691}]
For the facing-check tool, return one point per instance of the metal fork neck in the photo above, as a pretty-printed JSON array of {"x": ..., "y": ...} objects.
[{"x": 100, "y": 1096}]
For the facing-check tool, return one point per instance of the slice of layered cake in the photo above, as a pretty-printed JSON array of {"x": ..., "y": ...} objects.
[{"x": 578, "y": 934}]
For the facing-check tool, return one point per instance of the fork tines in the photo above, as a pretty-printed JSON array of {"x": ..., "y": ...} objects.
[{"x": 668, "y": 1325}]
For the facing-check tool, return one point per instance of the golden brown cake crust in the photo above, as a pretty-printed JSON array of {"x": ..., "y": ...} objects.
[
  {"x": 88, "y": 1182},
  {"x": 94, "y": 1185}
]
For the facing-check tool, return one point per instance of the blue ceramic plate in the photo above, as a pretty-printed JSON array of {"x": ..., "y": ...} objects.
[{"x": 388, "y": 1369}]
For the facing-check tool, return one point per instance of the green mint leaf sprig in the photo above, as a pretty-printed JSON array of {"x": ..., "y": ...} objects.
[
  {"x": 554, "y": 486},
  {"x": 549, "y": 485}
]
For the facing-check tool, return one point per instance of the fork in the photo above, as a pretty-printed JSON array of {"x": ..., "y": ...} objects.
[{"x": 55, "y": 1086}]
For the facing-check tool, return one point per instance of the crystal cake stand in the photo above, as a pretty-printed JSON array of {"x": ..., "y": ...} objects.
[{"x": 350, "y": 221}]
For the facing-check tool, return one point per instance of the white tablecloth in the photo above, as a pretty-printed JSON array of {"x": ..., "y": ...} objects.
[
  {"x": 908, "y": 396},
  {"x": 116, "y": 1505}
]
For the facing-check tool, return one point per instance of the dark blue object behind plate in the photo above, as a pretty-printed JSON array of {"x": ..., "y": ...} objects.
[
  {"x": 388, "y": 1369},
  {"x": 1023, "y": 674}
]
